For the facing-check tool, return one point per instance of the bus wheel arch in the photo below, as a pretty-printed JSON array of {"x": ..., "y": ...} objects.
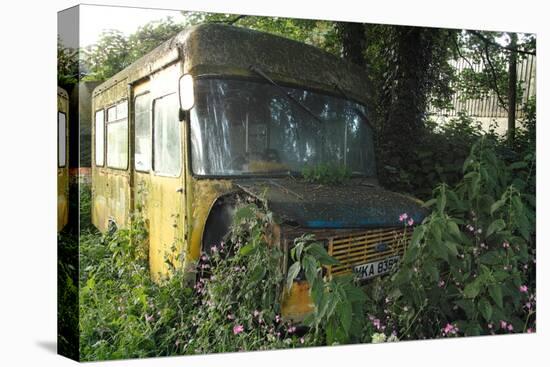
[{"x": 220, "y": 218}]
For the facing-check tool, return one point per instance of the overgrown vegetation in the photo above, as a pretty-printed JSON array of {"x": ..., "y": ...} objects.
[{"x": 468, "y": 271}]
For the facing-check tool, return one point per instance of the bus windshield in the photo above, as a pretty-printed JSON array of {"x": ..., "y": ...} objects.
[{"x": 243, "y": 127}]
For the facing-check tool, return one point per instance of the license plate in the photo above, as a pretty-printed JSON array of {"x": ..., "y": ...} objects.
[{"x": 375, "y": 268}]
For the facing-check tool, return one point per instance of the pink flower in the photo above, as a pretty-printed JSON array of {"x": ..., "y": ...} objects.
[
  {"x": 149, "y": 318},
  {"x": 503, "y": 324},
  {"x": 470, "y": 228},
  {"x": 403, "y": 217},
  {"x": 528, "y": 305},
  {"x": 490, "y": 325},
  {"x": 277, "y": 318},
  {"x": 441, "y": 283},
  {"x": 237, "y": 329},
  {"x": 523, "y": 289},
  {"x": 214, "y": 248},
  {"x": 410, "y": 222},
  {"x": 505, "y": 244},
  {"x": 450, "y": 329},
  {"x": 256, "y": 313},
  {"x": 510, "y": 327},
  {"x": 231, "y": 317},
  {"x": 302, "y": 341},
  {"x": 529, "y": 331},
  {"x": 291, "y": 329}
]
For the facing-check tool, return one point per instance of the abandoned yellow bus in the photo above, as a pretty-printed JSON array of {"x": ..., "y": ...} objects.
[
  {"x": 62, "y": 154},
  {"x": 219, "y": 111}
]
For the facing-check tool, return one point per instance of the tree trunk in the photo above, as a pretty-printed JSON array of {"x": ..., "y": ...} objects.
[
  {"x": 407, "y": 88},
  {"x": 512, "y": 85},
  {"x": 353, "y": 42}
]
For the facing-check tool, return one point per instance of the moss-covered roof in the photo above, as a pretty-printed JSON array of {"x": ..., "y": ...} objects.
[{"x": 229, "y": 50}]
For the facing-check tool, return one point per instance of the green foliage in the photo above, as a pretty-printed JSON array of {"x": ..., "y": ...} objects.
[
  {"x": 409, "y": 69},
  {"x": 67, "y": 294},
  {"x": 339, "y": 303},
  {"x": 67, "y": 65},
  {"x": 326, "y": 173},
  {"x": 238, "y": 293},
  {"x": 431, "y": 163},
  {"x": 469, "y": 267},
  {"x": 124, "y": 314},
  {"x": 114, "y": 51}
]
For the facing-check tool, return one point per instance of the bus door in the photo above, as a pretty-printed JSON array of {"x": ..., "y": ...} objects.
[{"x": 159, "y": 175}]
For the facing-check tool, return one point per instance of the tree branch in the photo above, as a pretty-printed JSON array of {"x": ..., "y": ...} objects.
[
  {"x": 230, "y": 21},
  {"x": 460, "y": 54},
  {"x": 512, "y": 49},
  {"x": 495, "y": 79}
]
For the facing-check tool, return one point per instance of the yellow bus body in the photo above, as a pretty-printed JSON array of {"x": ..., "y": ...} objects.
[
  {"x": 176, "y": 208},
  {"x": 62, "y": 169}
]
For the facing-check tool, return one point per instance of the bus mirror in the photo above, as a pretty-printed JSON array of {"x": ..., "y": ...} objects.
[{"x": 186, "y": 92}]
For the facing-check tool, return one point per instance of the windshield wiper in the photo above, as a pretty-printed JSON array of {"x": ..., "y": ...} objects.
[
  {"x": 284, "y": 92},
  {"x": 357, "y": 110}
]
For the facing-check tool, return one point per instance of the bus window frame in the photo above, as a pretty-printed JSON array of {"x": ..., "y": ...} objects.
[
  {"x": 181, "y": 138},
  {"x": 95, "y": 137},
  {"x": 105, "y": 140},
  {"x": 58, "y": 147},
  {"x": 150, "y": 130}
]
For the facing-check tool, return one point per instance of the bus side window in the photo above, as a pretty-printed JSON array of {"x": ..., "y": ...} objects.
[
  {"x": 99, "y": 138},
  {"x": 166, "y": 136},
  {"x": 117, "y": 136},
  {"x": 61, "y": 139},
  {"x": 142, "y": 119}
]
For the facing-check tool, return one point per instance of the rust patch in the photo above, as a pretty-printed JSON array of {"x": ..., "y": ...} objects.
[{"x": 297, "y": 302}]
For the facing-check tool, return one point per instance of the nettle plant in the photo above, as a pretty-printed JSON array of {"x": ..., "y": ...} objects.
[
  {"x": 338, "y": 314},
  {"x": 469, "y": 269}
]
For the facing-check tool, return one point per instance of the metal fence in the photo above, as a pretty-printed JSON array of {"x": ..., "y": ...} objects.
[{"x": 489, "y": 106}]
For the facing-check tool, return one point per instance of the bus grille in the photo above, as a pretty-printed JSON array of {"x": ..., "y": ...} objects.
[{"x": 361, "y": 248}]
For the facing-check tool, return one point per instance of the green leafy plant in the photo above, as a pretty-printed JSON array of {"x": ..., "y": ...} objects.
[
  {"x": 339, "y": 302},
  {"x": 326, "y": 173},
  {"x": 238, "y": 292}
]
